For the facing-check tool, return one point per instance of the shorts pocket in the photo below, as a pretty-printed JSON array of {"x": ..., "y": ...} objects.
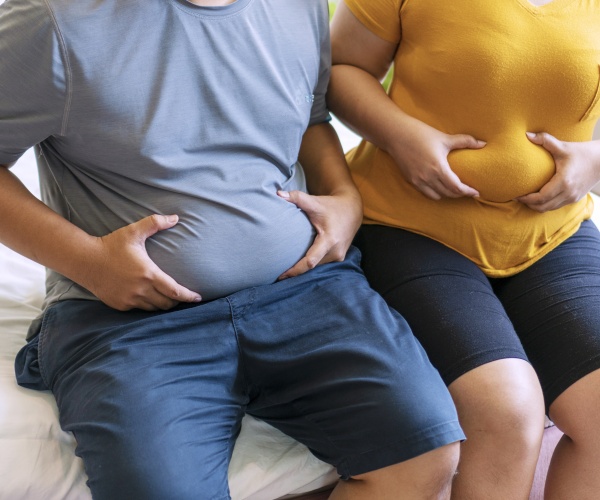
[
  {"x": 593, "y": 110},
  {"x": 29, "y": 370}
]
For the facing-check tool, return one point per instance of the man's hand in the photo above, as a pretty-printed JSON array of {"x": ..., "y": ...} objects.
[
  {"x": 577, "y": 171},
  {"x": 336, "y": 219},
  {"x": 122, "y": 275}
]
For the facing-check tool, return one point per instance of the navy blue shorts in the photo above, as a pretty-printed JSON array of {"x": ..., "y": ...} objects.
[
  {"x": 548, "y": 314},
  {"x": 155, "y": 400}
]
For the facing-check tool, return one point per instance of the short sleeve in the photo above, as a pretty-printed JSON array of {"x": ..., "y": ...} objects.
[
  {"x": 33, "y": 85},
  {"x": 382, "y": 17},
  {"x": 319, "y": 112}
]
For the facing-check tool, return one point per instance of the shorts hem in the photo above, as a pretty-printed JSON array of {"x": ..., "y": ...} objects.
[
  {"x": 402, "y": 450},
  {"x": 553, "y": 391},
  {"x": 480, "y": 359}
]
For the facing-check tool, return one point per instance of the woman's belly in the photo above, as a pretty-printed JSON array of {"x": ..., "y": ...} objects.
[
  {"x": 218, "y": 249},
  {"x": 508, "y": 166}
]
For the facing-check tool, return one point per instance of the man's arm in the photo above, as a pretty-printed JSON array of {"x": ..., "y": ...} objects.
[
  {"x": 115, "y": 268},
  {"x": 333, "y": 206}
]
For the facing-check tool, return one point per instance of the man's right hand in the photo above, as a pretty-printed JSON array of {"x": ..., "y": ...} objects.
[{"x": 122, "y": 275}]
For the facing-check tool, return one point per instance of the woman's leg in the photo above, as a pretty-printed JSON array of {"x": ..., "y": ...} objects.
[
  {"x": 555, "y": 307},
  {"x": 453, "y": 311}
]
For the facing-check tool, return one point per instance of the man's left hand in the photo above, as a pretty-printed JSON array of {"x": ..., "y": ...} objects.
[{"x": 336, "y": 218}]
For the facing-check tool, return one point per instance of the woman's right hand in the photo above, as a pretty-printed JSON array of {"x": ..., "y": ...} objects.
[
  {"x": 361, "y": 59},
  {"x": 422, "y": 157}
]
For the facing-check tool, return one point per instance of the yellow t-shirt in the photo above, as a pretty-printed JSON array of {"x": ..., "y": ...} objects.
[{"x": 492, "y": 69}]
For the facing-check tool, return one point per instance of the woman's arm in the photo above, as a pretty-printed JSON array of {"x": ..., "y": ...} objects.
[{"x": 360, "y": 60}]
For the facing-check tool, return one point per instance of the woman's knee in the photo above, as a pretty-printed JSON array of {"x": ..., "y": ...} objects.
[{"x": 501, "y": 400}]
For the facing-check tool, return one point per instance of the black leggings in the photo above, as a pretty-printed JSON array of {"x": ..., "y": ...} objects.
[{"x": 548, "y": 314}]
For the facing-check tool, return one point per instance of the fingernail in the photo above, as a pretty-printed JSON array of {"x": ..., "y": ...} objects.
[
  {"x": 283, "y": 194},
  {"x": 172, "y": 218},
  {"x": 482, "y": 143},
  {"x": 531, "y": 135},
  {"x": 198, "y": 299}
]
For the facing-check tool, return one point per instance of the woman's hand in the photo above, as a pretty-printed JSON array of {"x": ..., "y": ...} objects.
[
  {"x": 422, "y": 157},
  {"x": 577, "y": 171}
]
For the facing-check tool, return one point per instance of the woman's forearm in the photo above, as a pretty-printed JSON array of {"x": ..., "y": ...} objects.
[{"x": 358, "y": 99}]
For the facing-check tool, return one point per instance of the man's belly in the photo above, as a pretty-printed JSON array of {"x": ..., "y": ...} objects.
[
  {"x": 509, "y": 166},
  {"x": 218, "y": 250}
]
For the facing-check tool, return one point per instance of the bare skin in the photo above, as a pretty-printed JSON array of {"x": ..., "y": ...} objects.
[{"x": 426, "y": 477}]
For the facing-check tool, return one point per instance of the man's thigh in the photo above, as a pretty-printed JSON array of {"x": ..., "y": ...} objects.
[
  {"x": 151, "y": 398},
  {"x": 333, "y": 366}
]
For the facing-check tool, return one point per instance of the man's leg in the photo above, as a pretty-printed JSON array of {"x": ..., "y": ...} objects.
[
  {"x": 454, "y": 312},
  {"x": 332, "y": 366},
  {"x": 151, "y": 397}
]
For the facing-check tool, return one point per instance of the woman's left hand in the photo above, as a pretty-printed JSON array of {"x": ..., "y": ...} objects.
[{"x": 577, "y": 171}]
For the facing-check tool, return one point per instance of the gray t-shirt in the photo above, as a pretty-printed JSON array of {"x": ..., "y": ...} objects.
[{"x": 161, "y": 106}]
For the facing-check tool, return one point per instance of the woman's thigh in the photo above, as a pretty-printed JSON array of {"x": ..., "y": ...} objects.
[
  {"x": 446, "y": 299},
  {"x": 555, "y": 308}
]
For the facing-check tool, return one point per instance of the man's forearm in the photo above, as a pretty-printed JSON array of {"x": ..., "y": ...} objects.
[
  {"x": 32, "y": 229},
  {"x": 324, "y": 164}
]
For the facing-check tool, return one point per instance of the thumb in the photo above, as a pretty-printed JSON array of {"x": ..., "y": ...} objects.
[
  {"x": 302, "y": 200},
  {"x": 153, "y": 224},
  {"x": 547, "y": 141},
  {"x": 463, "y": 141}
]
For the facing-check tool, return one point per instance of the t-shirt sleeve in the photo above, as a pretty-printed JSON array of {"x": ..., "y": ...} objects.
[
  {"x": 33, "y": 86},
  {"x": 382, "y": 17},
  {"x": 319, "y": 112}
]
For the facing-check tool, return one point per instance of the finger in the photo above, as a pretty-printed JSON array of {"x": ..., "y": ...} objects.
[
  {"x": 302, "y": 200},
  {"x": 547, "y": 141},
  {"x": 315, "y": 255},
  {"x": 546, "y": 206},
  {"x": 464, "y": 141},
  {"x": 454, "y": 188},
  {"x": 157, "y": 302},
  {"x": 169, "y": 288},
  {"x": 550, "y": 197},
  {"x": 429, "y": 192},
  {"x": 151, "y": 225},
  {"x": 448, "y": 185}
]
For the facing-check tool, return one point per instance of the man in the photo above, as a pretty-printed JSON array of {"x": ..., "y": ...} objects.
[{"x": 186, "y": 285}]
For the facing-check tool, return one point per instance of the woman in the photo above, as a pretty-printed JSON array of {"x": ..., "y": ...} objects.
[{"x": 475, "y": 173}]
